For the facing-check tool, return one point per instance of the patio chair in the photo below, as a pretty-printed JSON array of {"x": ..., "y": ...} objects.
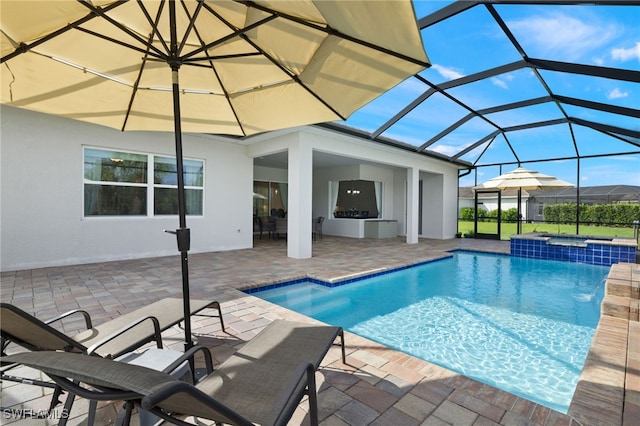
[
  {"x": 261, "y": 383},
  {"x": 268, "y": 225},
  {"x": 316, "y": 227},
  {"x": 111, "y": 339},
  {"x": 281, "y": 227}
]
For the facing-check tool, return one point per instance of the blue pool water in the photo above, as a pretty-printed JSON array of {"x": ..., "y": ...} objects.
[{"x": 522, "y": 325}]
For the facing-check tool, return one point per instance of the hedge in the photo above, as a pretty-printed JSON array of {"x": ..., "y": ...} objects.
[
  {"x": 468, "y": 213},
  {"x": 599, "y": 214}
]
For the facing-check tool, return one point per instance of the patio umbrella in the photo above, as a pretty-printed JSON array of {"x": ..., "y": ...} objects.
[
  {"x": 219, "y": 67},
  {"x": 520, "y": 179}
]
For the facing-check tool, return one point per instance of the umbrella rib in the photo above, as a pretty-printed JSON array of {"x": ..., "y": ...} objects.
[
  {"x": 154, "y": 24},
  {"x": 236, "y": 32},
  {"x": 334, "y": 32},
  {"x": 23, "y": 47},
  {"x": 119, "y": 42},
  {"x": 192, "y": 23},
  {"x": 134, "y": 91},
  {"x": 294, "y": 77},
  {"x": 103, "y": 15},
  {"x": 241, "y": 33},
  {"x": 194, "y": 61},
  {"x": 215, "y": 71}
]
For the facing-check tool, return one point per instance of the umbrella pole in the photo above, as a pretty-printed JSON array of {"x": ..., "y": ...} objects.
[
  {"x": 183, "y": 234},
  {"x": 519, "y": 217}
]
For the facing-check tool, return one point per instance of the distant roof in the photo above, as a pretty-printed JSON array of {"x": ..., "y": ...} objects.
[
  {"x": 612, "y": 192},
  {"x": 619, "y": 192}
]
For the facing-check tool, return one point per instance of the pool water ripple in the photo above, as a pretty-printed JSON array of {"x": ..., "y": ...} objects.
[
  {"x": 522, "y": 325},
  {"x": 492, "y": 340}
]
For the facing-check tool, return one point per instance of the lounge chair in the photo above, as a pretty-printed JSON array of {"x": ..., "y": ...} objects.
[
  {"x": 107, "y": 339},
  {"x": 261, "y": 383},
  {"x": 111, "y": 339}
]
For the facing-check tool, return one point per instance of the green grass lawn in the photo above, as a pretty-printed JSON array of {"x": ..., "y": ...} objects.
[{"x": 508, "y": 229}]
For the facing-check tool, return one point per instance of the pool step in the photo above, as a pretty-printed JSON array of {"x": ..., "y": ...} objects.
[
  {"x": 312, "y": 302},
  {"x": 328, "y": 305},
  {"x": 296, "y": 296}
]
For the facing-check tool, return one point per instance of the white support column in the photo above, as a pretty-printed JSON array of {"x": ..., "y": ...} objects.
[
  {"x": 413, "y": 175},
  {"x": 300, "y": 200}
]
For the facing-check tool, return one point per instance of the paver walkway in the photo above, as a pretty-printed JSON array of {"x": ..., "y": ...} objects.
[{"x": 378, "y": 386}]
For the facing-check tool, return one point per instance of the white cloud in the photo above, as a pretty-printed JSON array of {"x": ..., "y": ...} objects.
[
  {"x": 502, "y": 81},
  {"x": 449, "y": 150},
  {"x": 563, "y": 35},
  {"x": 448, "y": 73},
  {"x": 613, "y": 173},
  {"x": 616, "y": 94},
  {"x": 446, "y": 149},
  {"x": 622, "y": 54}
]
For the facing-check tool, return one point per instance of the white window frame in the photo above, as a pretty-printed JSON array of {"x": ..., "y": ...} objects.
[{"x": 150, "y": 185}]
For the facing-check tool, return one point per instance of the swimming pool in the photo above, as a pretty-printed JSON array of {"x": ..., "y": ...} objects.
[{"x": 522, "y": 325}]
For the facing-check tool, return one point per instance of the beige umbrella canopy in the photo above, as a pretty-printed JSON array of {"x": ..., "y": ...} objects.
[
  {"x": 245, "y": 67},
  {"x": 220, "y": 67},
  {"x": 520, "y": 179}
]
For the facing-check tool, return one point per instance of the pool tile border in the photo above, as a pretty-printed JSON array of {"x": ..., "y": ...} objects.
[
  {"x": 594, "y": 252},
  {"x": 341, "y": 282}
]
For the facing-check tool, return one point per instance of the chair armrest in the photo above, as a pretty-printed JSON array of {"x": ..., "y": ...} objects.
[
  {"x": 189, "y": 356},
  {"x": 305, "y": 371},
  {"x": 156, "y": 326},
  {"x": 85, "y": 314}
]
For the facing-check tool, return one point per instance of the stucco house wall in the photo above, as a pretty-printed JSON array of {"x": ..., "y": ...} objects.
[
  {"x": 41, "y": 200},
  {"x": 42, "y": 221}
]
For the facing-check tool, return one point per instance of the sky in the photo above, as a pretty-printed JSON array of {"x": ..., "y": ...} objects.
[{"x": 472, "y": 41}]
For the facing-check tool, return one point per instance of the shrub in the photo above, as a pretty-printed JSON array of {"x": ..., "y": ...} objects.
[
  {"x": 468, "y": 213},
  {"x": 598, "y": 214}
]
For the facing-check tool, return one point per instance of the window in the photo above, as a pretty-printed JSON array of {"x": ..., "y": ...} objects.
[
  {"x": 269, "y": 197},
  {"x": 120, "y": 183},
  {"x": 165, "y": 179}
]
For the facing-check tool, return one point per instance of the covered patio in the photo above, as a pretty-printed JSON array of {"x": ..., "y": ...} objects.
[{"x": 378, "y": 385}]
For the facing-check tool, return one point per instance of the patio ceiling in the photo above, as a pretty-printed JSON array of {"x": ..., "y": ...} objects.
[{"x": 496, "y": 94}]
